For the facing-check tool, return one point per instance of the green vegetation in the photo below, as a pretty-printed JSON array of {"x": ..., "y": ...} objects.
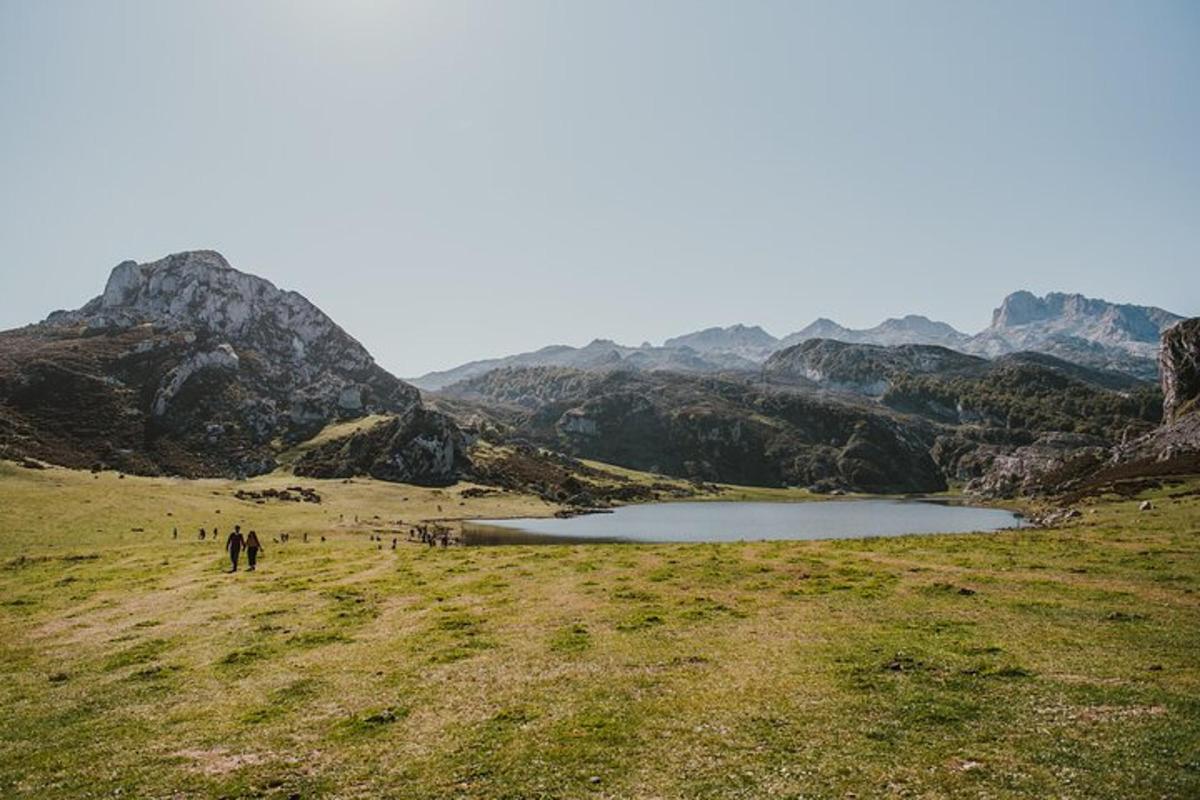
[
  {"x": 1028, "y": 397},
  {"x": 1029, "y": 663}
]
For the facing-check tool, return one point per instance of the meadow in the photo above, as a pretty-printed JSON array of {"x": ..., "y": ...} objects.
[{"x": 1031, "y": 663}]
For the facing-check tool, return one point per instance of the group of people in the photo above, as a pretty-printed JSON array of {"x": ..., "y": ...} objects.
[{"x": 431, "y": 535}]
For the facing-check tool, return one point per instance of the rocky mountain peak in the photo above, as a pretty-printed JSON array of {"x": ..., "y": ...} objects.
[
  {"x": 1086, "y": 317},
  {"x": 200, "y": 290},
  {"x": 821, "y": 328}
]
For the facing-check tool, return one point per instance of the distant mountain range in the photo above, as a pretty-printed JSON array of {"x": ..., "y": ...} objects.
[{"x": 1094, "y": 333}]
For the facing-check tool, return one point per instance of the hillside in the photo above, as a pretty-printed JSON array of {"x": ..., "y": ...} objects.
[
  {"x": 188, "y": 366},
  {"x": 709, "y": 429}
]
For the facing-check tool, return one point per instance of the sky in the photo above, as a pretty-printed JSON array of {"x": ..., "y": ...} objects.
[{"x": 457, "y": 180}]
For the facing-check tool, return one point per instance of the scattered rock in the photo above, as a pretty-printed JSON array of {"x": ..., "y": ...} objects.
[{"x": 292, "y": 494}]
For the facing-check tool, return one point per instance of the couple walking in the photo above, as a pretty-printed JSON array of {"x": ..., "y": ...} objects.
[{"x": 236, "y": 542}]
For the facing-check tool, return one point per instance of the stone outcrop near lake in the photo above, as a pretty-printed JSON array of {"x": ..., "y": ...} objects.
[
  {"x": 1179, "y": 364},
  {"x": 1171, "y": 449}
]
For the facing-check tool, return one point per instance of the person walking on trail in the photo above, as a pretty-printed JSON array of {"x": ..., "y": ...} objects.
[
  {"x": 252, "y": 548},
  {"x": 234, "y": 545}
]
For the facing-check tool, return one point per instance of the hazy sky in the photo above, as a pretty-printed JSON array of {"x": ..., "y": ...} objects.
[{"x": 455, "y": 180}]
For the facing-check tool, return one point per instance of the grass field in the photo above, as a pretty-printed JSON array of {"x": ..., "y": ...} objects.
[{"x": 1035, "y": 663}]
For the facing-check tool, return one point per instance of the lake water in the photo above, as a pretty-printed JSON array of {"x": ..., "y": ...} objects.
[{"x": 733, "y": 522}]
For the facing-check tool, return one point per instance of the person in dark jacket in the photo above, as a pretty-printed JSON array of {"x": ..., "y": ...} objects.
[
  {"x": 234, "y": 545},
  {"x": 252, "y": 548}
]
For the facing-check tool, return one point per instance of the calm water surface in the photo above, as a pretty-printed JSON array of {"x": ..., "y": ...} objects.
[{"x": 732, "y": 522}]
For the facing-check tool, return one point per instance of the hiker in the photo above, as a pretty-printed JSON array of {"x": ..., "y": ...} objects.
[
  {"x": 306, "y": 537},
  {"x": 252, "y": 548},
  {"x": 234, "y": 545},
  {"x": 202, "y": 534},
  {"x": 175, "y": 533}
]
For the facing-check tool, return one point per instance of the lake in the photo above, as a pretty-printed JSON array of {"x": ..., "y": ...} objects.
[{"x": 734, "y": 522}]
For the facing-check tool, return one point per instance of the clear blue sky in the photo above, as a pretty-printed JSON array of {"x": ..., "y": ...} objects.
[{"x": 453, "y": 180}]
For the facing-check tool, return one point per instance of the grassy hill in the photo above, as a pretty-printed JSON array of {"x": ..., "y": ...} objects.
[{"x": 1030, "y": 663}]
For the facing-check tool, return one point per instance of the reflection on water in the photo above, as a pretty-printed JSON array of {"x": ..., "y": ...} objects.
[{"x": 732, "y": 522}]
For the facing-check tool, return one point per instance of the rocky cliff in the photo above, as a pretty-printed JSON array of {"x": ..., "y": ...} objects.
[
  {"x": 1179, "y": 366},
  {"x": 185, "y": 365}
]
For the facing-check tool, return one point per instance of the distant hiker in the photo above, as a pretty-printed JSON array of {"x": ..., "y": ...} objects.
[
  {"x": 202, "y": 534},
  {"x": 252, "y": 548},
  {"x": 234, "y": 545},
  {"x": 306, "y": 537},
  {"x": 175, "y": 533}
]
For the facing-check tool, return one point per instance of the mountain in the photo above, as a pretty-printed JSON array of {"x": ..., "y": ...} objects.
[
  {"x": 600, "y": 355},
  {"x": 1085, "y": 317},
  {"x": 1081, "y": 329},
  {"x": 188, "y": 366},
  {"x": 911, "y": 329},
  {"x": 752, "y": 343}
]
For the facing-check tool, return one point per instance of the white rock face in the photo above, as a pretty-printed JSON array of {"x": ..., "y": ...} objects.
[
  {"x": 200, "y": 289},
  {"x": 223, "y": 357}
]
